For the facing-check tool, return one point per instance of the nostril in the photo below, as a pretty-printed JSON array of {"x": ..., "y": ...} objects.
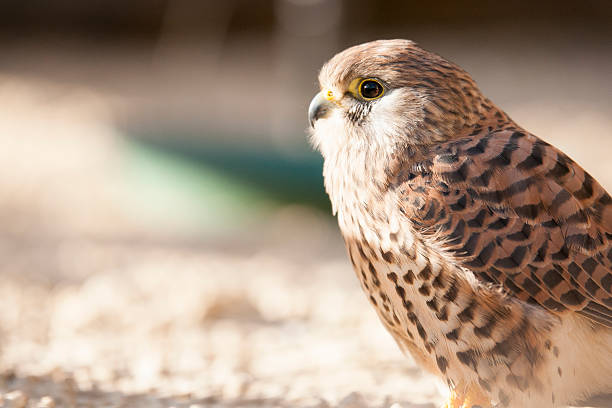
[{"x": 318, "y": 112}]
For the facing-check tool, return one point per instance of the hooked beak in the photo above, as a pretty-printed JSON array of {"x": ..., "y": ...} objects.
[{"x": 319, "y": 108}]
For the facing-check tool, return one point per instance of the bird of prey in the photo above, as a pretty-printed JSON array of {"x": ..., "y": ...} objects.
[{"x": 486, "y": 251}]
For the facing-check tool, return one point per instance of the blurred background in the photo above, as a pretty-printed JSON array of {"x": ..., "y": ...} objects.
[{"x": 166, "y": 239}]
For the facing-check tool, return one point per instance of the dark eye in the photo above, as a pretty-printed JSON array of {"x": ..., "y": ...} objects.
[{"x": 370, "y": 89}]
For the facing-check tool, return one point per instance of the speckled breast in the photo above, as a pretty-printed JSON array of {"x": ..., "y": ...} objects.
[{"x": 403, "y": 281}]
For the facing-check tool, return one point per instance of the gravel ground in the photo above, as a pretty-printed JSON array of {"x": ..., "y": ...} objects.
[{"x": 159, "y": 326}]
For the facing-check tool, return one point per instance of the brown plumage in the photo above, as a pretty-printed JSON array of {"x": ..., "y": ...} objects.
[{"x": 486, "y": 251}]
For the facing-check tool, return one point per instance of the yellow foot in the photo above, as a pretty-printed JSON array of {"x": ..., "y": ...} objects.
[
  {"x": 475, "y": 397},
  {"x": 454, "y": 400},
  {"x": 472, "y": 398}
]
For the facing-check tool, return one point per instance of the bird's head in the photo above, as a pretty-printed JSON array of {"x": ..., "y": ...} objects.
[{"x": 387, "y": 93}]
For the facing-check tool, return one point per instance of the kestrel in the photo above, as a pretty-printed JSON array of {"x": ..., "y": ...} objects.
[{"x": 486, "y": 251}]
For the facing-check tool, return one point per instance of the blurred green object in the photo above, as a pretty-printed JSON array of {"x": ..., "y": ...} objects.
[{"x": 211, "y": 184}]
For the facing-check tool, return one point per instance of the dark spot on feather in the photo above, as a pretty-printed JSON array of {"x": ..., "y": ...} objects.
[
  {"x": 421, "y": 331},
  {"x": 533, "y": 160},
  {"x": 484, "y": 384},
  {"x": 409, "y": 334},
  {"x": 459, "y": 205},
  {"x": 485, "y": 329},
  {"x": 449, "y": 158},
  {"x": 483, "y": 179},
  {"x": 574, "y": 270},
  {"x": 408, "y": 277},
  {"x": 516, "y": 381},
  {"x": 437, "y": 282},
  {"x": 478, "y": 220},
  {"x": 572, "y": 298},
  {"x": 553, "y": 305},
  {"x": 503, "y": 348},
  {"x": 467, "y": 314},
  {"x": 471, "y": 245},
  {"x": 431, "y": 212},
  {"x": 591, "y": 287},
  {"x": 518, "y": 187},
  {"x": 521, "y": 235},
  {"x": 511, "y": 286},
  {"x": 589, "y": 266},
  {"x": 432, "y": 304},
  {"x": 505, "y": 157},
  {"x": 451, "y": 293},
  {"x": 468, "y": 358},
  {"x": 457, "y": 176},
  {"x": 540, "y": 255},
  {"x": 425, "y": 290},
  {"x": 360, "y": 249},
  {"x": 425, "y": 274},
  {"x": 550, "y": 224},
  {"x": 453, "y": 334},
  {"x": 562, "y": 255},
  {"x": 395, "y": 319},
  {"x": 529, "y": 211},
  {"x": 442, "y": 315},
  {"x": 579, "y": 217},
  {"x": 606, "y": 282},
  {"x": 442, "y": 364},
  {"x": 387, "y": 256},
  {"x": 531, "y": 287},
  {"x": 500, "y": 223},
  {"x": 587, "y": 188},
  {"x": 514, "y": 260},
  {"x": 561, "y": 198},
  {"x": 560, "y": 169},
  {"x": 412, "y": 317},
  {"x": 479, "y": 148},
  {"x": 504, "y": 399},
  {"x": 459, "y": 230},
  {"x": 483, "y": 257},
  {"x": 375, "y": 280}
]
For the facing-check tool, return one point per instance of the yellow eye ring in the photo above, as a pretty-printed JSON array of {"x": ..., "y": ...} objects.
[{"x": 370, "y": 89}]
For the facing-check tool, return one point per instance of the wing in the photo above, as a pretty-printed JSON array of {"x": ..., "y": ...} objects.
[{"x": 518, "y": 213}]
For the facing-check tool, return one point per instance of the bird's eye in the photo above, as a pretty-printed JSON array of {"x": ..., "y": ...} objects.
[{"x": 370, "y": 89}]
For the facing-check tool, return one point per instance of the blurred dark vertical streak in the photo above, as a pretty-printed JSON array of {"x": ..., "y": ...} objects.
[
  {"x": 204, "y": 28},
  {"x": 304, "y": 31}
]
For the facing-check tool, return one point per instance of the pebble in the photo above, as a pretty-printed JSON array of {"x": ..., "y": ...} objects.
[
  {"x": 413, "y": 405},
  {"x": 15, "y": 399},
  {"x": 46, "y": 402},
  {"x": 353, "y": 400},
  {"x": 320, "y": 403}
]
